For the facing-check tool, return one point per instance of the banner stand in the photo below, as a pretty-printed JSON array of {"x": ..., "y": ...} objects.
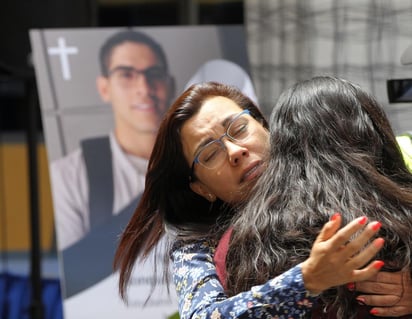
[{"x": 36, "y": 305}]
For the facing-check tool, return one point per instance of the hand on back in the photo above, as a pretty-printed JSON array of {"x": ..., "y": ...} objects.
[{"x": 339, "y": 256}]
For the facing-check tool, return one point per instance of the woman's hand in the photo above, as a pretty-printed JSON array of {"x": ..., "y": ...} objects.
[
  {"x": 336, "y": 257},
  {"x": 390, "y": 293}
]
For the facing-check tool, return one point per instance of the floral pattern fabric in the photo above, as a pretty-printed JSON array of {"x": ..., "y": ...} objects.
[{"x": 201, "y": 295}]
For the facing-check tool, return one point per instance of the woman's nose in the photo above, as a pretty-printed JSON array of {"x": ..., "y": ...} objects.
[{"x": 235, "y": 152}]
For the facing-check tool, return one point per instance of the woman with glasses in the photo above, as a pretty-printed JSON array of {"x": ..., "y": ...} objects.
[{"x": 208, "y": 155}]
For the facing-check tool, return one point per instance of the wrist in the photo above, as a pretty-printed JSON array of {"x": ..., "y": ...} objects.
[{"x": 310, "y": 283}]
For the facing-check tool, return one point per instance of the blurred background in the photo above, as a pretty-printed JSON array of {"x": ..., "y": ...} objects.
[
  {"x": 18, "y": 92},
  {"x": 24, "y": 179}
]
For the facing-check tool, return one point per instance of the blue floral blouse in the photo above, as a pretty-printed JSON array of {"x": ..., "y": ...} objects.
[{"x": 201, "y": 295}]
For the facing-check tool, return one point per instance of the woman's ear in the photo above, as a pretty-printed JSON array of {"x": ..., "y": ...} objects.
[{"x": 201, "y": 189}]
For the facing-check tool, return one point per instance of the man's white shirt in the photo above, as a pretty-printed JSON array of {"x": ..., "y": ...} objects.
[{"x": 70, "y": 189}]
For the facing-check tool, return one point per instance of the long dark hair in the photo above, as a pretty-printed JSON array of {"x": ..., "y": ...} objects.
[
  {"x": 332, "y": 150},
  {"x": 167, "y": 200}
]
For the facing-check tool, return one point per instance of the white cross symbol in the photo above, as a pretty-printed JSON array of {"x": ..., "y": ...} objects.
[{"x": 63, "y": 52}]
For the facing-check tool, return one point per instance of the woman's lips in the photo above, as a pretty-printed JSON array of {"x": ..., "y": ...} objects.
[{"x": 252, "y": 171}]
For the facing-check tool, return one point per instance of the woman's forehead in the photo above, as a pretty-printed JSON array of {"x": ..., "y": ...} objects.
[
  {"x": 214, "y": 114},
  {"x": 216, "y": 109},
  {"x": 207, "y": 122}
]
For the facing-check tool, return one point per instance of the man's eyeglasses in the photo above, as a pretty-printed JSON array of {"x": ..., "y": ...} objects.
[
  {"x": 214, "y": 153},
  {"x": 127, "y": 75}
]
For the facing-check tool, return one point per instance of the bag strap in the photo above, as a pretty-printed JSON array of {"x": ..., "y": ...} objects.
[
  {"x": 98, "y": 158},
  {"x": 84, "y": 263}
]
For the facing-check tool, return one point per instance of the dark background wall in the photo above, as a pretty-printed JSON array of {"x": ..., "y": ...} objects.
[{"x": 16, "y": 72}]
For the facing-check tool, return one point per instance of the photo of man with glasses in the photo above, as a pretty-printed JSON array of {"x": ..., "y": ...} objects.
[
  {"x": 106, "y": 174},
  {"x": 100, "y": 125}
]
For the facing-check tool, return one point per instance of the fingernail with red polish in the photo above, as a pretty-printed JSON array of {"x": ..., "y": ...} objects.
[
  {"x": 335, "y": 216},
  {"x": 361, "y": 300},
  {"x": 378, "y": 264},
  {"x": 374, "y": 312},
  {"x": 363, "y": 220},
  {"x": 351, "y": 286},
  {"x": 376, "y": 225}
]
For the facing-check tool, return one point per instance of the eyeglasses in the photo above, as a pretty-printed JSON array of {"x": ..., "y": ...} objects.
[
  {"x": 214, "y": 153},
  {"x": 127, "y": 75}
]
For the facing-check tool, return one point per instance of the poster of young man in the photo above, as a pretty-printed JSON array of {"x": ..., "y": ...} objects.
[{"x": 103, "y": 93}]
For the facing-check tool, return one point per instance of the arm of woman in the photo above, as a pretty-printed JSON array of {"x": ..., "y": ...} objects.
[
  {"x": 333, "y": 261},
  {"x": 389, "y": 293},
  {"x": 201, "y": 295}
]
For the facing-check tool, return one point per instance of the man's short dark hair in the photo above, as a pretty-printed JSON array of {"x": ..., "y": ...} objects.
[{"x": 129, "y": 36}]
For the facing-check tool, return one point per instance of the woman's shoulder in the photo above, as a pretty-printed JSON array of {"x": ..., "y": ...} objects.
[{"x": 197, "y": 246}]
